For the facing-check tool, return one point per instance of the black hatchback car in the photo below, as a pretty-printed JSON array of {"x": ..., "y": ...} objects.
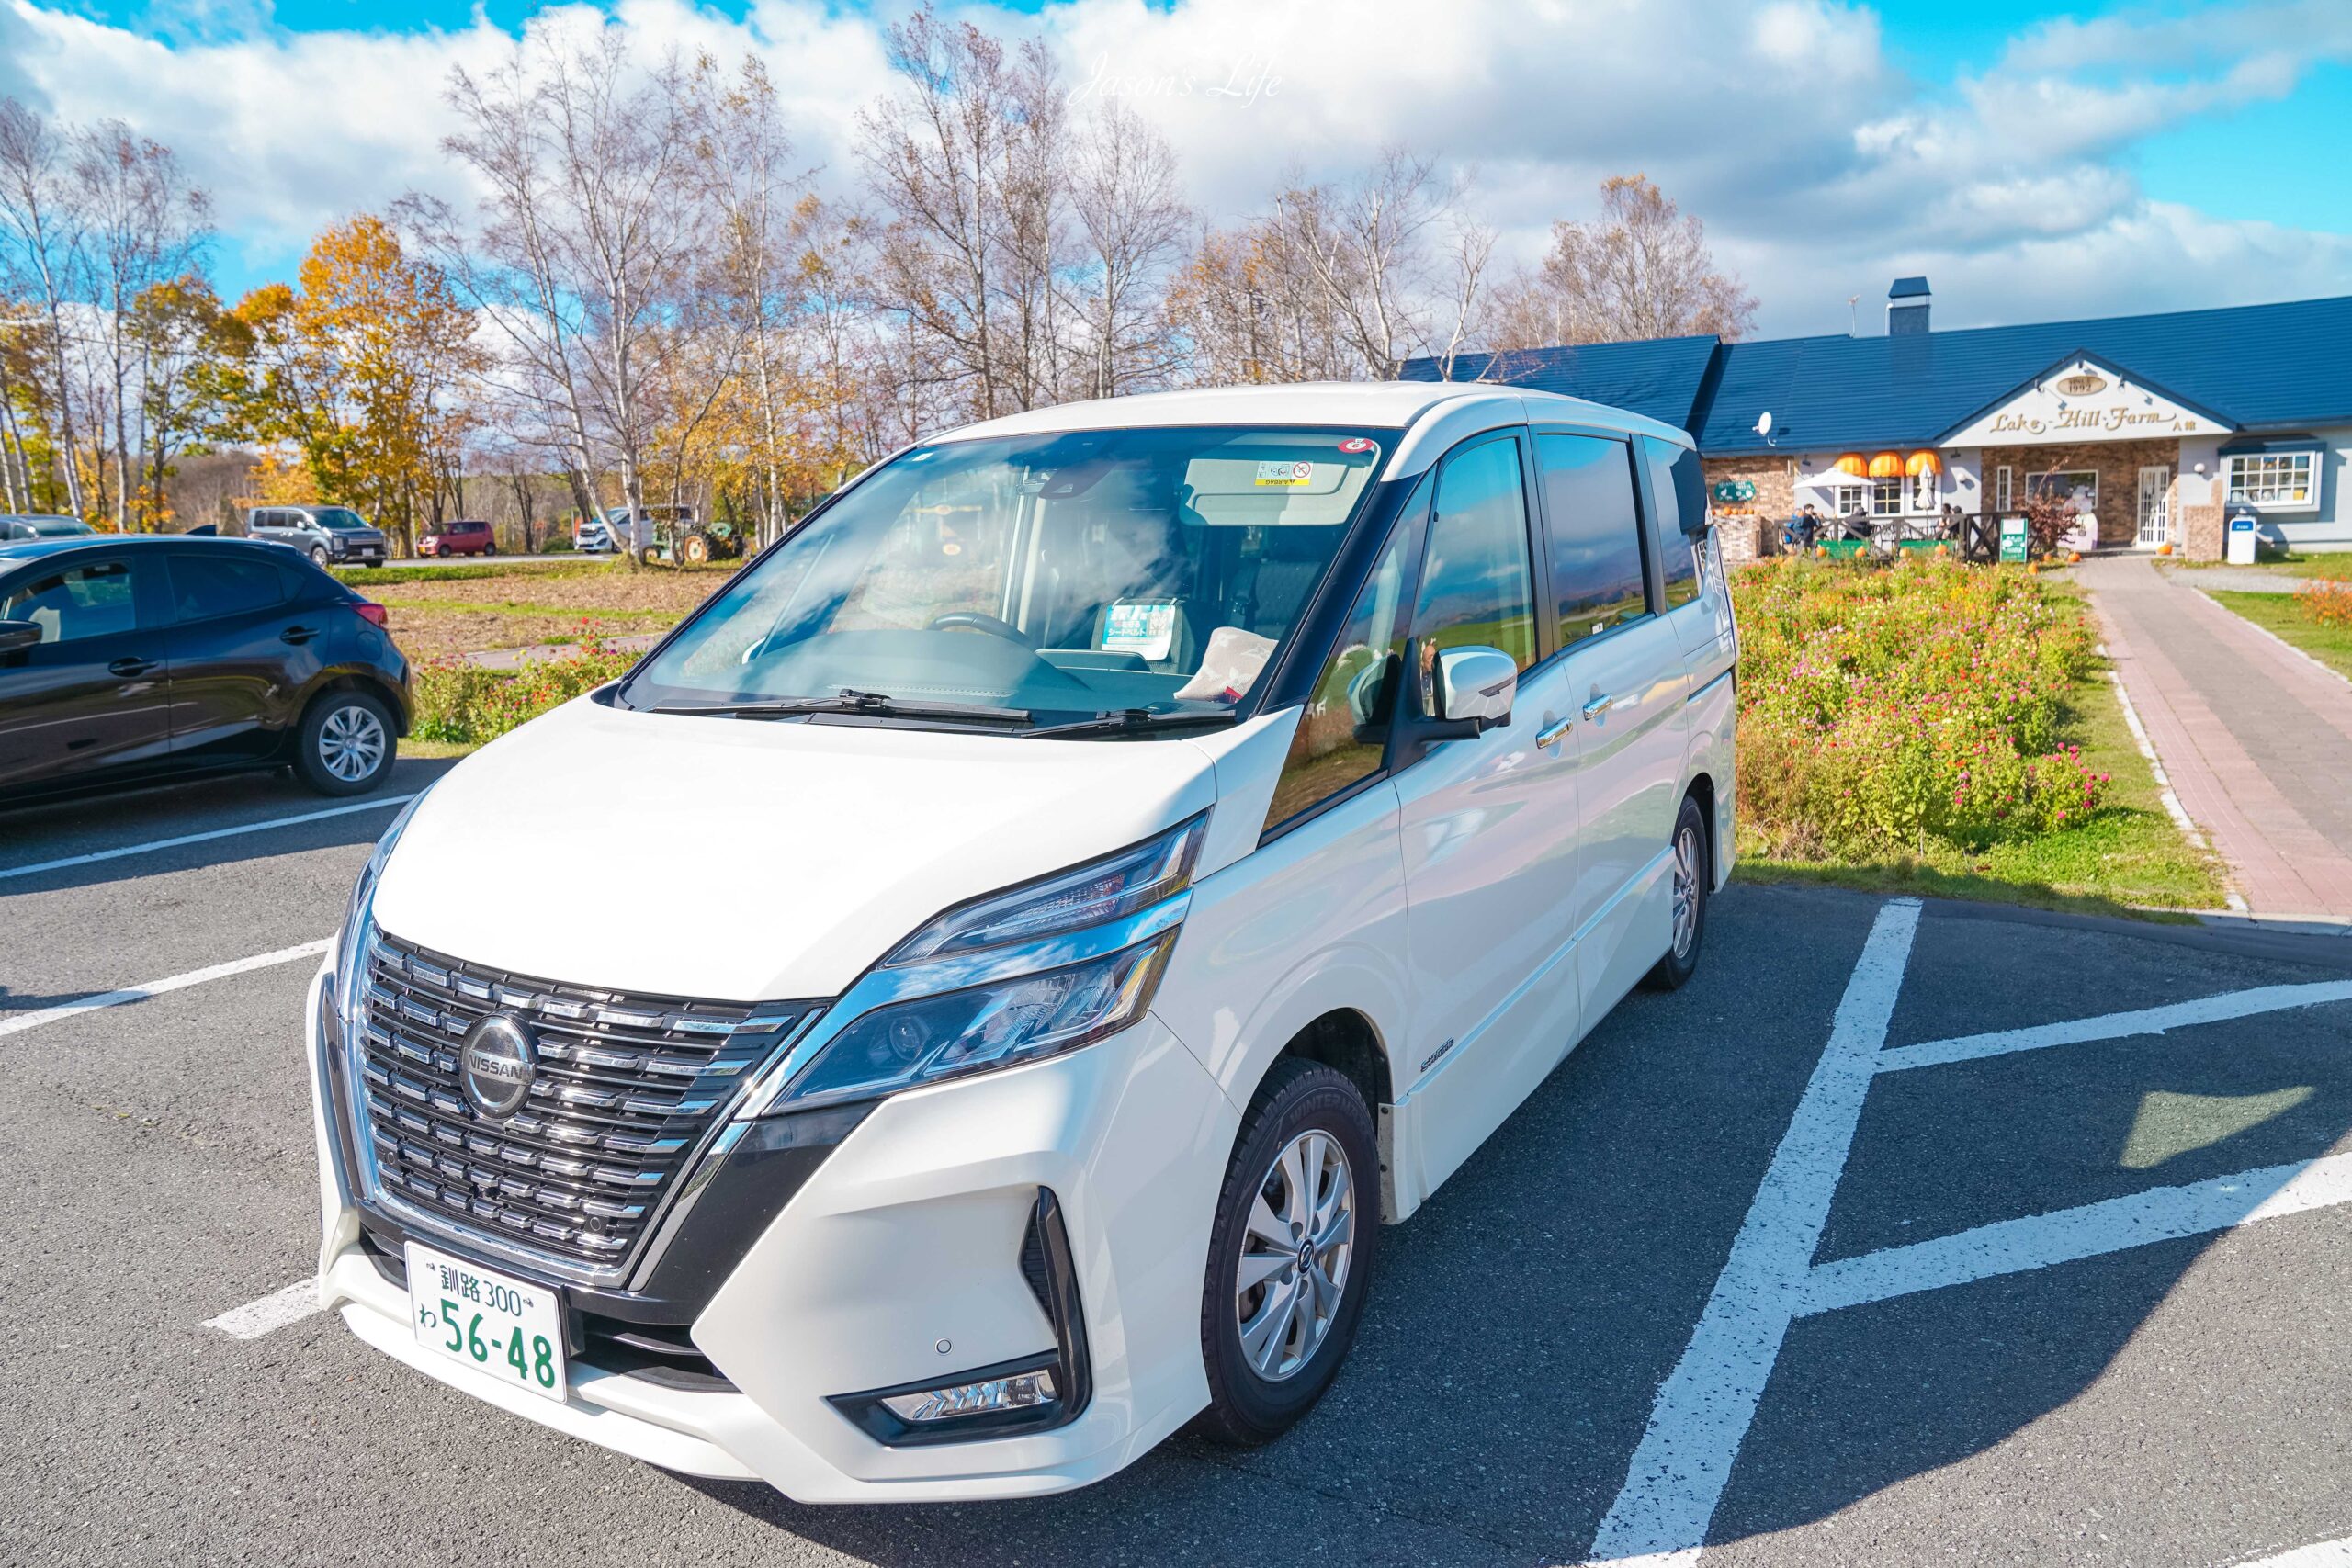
[{"x": 125, "y": 659}]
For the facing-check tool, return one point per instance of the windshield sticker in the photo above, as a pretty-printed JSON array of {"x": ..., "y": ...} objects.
[
  {"x": 1355, "y": 444},
  {"x": 1146, "y": 627},
  {"x": 1288, "y": 476}
]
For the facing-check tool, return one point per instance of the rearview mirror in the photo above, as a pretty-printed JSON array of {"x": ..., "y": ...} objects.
[
  {"x": 16, "y": 636},
  {"x": 1475, "y": 685}
]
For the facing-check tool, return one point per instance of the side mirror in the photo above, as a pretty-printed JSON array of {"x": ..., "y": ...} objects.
[
  {"x": 17, "y": 635},
  {"x": 1475, "y": 686}
]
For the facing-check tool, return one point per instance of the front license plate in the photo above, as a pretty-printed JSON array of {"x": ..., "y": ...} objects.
[{"x": 493, "y": 1323}]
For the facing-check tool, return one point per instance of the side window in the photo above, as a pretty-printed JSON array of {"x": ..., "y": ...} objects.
[
  {"x": 1344, "y": 734},
  {"x": 1477, "y": 588},
  {"x": 87, "y": 601},
  {"x": 1598, "y": 583},
  {"x": 1680, "y": 528},
  {"x": 203, "y": 586}
]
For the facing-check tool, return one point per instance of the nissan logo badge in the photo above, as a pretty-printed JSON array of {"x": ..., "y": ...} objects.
[{"x": 498, "y": 1064}]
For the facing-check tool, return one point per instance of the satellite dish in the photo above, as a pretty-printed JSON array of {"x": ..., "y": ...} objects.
[{"x": 1764, "y": 423}]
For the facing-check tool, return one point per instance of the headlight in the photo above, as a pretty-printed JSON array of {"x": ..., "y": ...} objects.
[
  {"x": 1094, "y": 894},
  {"x": 1040, "y": 969},
  {"x": 972, "y": 1030}
]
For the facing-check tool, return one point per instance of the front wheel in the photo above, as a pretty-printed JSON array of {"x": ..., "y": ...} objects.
[
  {"x": 1290, "y": 1254},
  {"x": 1694, "y": 874},
  {"x": 346, "y": 744}
]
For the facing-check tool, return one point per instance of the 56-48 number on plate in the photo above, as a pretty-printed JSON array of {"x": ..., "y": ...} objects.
[{"x": 509, "y": 1328}]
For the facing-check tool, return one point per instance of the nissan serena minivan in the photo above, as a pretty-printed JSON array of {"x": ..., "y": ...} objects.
[{"x": 1164, "y": 837}]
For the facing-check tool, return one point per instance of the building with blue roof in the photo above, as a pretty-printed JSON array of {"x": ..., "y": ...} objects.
[{"x": 2157, "y": 428}]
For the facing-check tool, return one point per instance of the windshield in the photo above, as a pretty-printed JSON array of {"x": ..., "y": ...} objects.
[
  {"x": 338, "y": 519},
  {"x": 1061, "y": 576},
  {"x": 55, "y": 527}
]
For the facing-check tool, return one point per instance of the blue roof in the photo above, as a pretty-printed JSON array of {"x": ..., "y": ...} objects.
[
  {"x": 2260, "y": 368},
  {"x": 1908, "y": 288},
  {"x": 1657, "y": 376}
]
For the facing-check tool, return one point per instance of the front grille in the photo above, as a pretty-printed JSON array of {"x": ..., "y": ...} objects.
[{"x": 628, "y": 1090}]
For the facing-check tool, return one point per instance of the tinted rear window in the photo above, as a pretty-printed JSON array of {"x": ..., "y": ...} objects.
[{"x": 208, "y": 585}]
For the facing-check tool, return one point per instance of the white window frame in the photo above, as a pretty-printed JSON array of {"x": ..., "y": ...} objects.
[
  {"x": 1886, "y": 497},
  {"x": 2001, "y": 488},
  {"x": 2272, "y": 486},
  {"x": 2033, "y": 487},
  {"x": 1846, "y": 499}
]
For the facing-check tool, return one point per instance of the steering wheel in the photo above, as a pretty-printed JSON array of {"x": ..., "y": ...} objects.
[{"x": 974, "y": 620}]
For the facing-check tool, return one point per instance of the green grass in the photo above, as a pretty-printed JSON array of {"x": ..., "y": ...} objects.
[
  {"x": 502, "y": 566},
  {"x": 2280, "y": 614},
  {"x": 2332, "y": 566},
  {"x": 2130, "y": 859}
]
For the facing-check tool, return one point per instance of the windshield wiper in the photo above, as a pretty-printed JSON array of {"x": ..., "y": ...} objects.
[
  {"x": 1129, "y": 721},
  {"x": 879, "y": 704}
]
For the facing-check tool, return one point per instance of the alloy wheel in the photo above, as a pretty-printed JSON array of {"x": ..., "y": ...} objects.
[
  {"x": 351, "y": 743},
  {"x": 1294, "y": 1256},
  {"x": 1686, "y": 891}
]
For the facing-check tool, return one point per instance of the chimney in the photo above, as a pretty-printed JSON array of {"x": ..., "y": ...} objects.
[{"x": 1906, "y": 307}]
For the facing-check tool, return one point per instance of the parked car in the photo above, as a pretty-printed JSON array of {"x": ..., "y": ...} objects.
[
  {"x": 611, "y": 531},
  {"x": 1190, "y": 825},
  {"x": 43, "y": 526},
  {"x": 328, "y": 534},
  {"x": 467, "y": 537},
  {"x": 128, "y": 658}
]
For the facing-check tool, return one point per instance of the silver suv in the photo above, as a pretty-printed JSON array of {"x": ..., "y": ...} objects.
[{"x": 325, "y": 533}]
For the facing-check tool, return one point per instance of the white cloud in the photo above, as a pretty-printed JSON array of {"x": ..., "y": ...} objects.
[{"x": 1820, "y": 168}]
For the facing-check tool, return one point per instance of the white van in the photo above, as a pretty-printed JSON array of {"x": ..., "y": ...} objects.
[{"x": 1167, "y": 836}]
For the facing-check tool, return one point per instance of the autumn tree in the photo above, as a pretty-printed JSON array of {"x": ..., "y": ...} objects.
[
  {"x": 144, "y": 224},
  {"x": 581, "y": 250},
  {"x": 1641, "y": 269},
  {"x": 38, "y": 206}
]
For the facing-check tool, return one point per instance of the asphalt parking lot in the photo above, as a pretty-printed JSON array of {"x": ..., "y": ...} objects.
[{"x": 1885, "y": 1241}]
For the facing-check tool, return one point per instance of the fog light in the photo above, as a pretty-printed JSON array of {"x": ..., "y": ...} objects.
[{"x": 1023, "y": 1391}]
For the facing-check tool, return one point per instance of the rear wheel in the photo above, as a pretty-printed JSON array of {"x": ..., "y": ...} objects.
[
  {"x": 1290, "y": 1254},
  {"x": 318, "y": 554},
  {"x": 1693, "y": 873},
  {"x": 695, "y": 548},
  {"x": 346, "y": 744}
]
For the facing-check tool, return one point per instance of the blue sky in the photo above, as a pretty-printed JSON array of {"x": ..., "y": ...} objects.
[{"x": 2034, "y": 162}]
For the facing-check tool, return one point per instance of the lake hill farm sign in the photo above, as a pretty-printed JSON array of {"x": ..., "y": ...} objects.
[{"x": 2082, "y": 400}]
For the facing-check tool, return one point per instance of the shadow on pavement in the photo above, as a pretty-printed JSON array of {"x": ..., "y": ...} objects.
[
  {"x": 59, "y": 831},
  {"x": 1524, "y": 1318}
]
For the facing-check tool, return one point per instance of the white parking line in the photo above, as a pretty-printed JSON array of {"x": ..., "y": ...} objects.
[
  {"x": 2326, "y": 1555},
  {"x": 1707, "y": 1403},
  {"x": 272, "y": 1312},
  {"x": 2116, "y": 1025},
  {"x": 2014, "y": 1247},
  {"x": 377, "y": 804},
  {"x": 23, "y": 1021}
]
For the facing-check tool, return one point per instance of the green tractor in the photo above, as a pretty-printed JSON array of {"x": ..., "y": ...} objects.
[{"x": 681, "y": 540}]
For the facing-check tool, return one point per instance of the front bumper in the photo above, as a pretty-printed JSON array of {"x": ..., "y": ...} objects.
[{"x": 905, "y": 1238}]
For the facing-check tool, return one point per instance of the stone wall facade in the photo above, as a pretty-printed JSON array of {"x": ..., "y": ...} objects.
[
  {"x": 1757, "y": 532},
  {"x": 2118, "y": 466}
]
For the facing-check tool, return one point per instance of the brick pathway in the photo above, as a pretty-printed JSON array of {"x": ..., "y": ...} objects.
[{"x": 2257, "y": 738}]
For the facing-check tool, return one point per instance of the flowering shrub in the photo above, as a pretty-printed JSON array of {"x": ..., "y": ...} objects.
[
  {"x": 469, "y": 705},
  {"x": 1880, "y": 708},
  {"x": 2329, "y": 604}
]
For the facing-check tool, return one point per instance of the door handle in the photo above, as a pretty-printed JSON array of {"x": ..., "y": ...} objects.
[
  {"x": 1598, "y": 705},
  {"x": 296, "y": 635},
  {"x": 1549, "y": 735},
  {"x": 129, "y": 667}
]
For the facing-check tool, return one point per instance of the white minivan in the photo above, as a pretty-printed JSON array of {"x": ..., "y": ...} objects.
[{"x": 1140, "y": 848}]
